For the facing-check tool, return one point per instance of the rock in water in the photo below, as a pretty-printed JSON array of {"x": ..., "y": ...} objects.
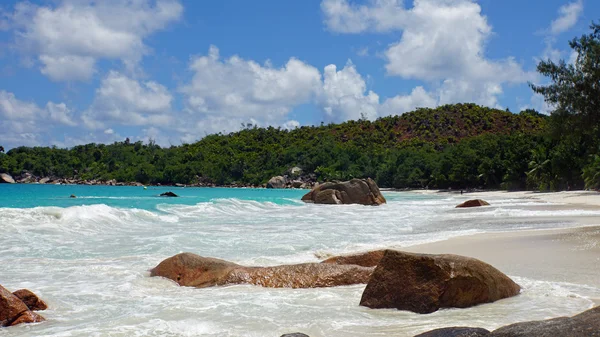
[
  {"x": 473, "y": 203},
  {"x": 6, "y": 178},
  {"x": 586, "y": 324},
  {"x": 169, "y": 194},
  {"x": 31, "y": 300},
  {"x": 276, "y": 182},
  {"x": 295, "y": 334},
  {"x": 355, "y": 191},
  {"x": 367, "y": 259},
  {"x": 424, "y": 283},
  {"x": 192, "y": 270},
  {"x": 455, "y": 332},
  {"x": 13, "y": 311}
]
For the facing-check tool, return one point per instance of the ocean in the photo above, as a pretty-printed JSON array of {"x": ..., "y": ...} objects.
[{"x": 88, "y": 258}]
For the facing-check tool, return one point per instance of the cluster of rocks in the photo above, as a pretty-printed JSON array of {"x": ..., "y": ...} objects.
[
  {"x": 294, "y": 178},
  {"x": 420, "y": 283},
  {"x": 18, "y": 307}
]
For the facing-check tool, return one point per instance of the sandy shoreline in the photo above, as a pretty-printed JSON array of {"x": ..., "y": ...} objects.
[{"x": 570, "y": 255}]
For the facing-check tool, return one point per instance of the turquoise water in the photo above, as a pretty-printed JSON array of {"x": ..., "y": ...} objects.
[
  {"x": 32, "y": 195},
  {"x": 89, "y": 258}
]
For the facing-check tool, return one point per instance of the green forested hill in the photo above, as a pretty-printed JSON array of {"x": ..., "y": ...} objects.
[{"x": 460, "y": 146}]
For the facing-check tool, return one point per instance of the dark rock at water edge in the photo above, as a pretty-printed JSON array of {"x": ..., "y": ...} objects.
[
  {"x": 5, "y": 178},
  {"x": 473, "y": 203},
  {"x": 277, "y": 182},
  {"x": 366, "y": 259},
  {"x": 355, "y": 191},
  {"x": 169, "y": 194},
  {"x": 31, "y": 300},
  {"x": 586, "y": 324},
  {"x": 295, "y": 334},
  {"x": 14, "y": 311},
  {"x": 424, "y": 283},
  {"x": 455, "y": 332}
]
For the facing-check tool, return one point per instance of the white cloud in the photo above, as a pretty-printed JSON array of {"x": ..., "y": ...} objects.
[
  {"x": 568, "y": 16},
  {"x": 418, "y": 98},
  {"x": 60, "y": 113},
  {"x": 344, "y": 94},
  {"x": 234, "y": 90},
  {"x": 71, "y": 36},
  {"x": 126, "y": 101},
  {"x": 381, "y": 16},
  {"x": 291, "y": 125},
  {"x": 23, "y": 123},
  {"x": 442, "y": 42}
]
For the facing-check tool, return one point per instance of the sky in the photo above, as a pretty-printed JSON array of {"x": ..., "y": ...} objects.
[{"x": 172, "y": 71}]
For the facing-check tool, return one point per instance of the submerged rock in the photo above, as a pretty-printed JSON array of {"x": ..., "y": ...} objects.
[
  {"x": 6, "y": 178},
  {"x": 355, "y": 191},
  {"x": 473, "y": 203},
  {"x": 455, "y": 332},
  {"x": 192, "y": 270},
  {"x": 424, "y": 283},
  {"x": 276, "y": 182},
  {"x": 169, "y": 194},
  {"x": 13, "y": 311},
  {"x": 295, "y": 334}
]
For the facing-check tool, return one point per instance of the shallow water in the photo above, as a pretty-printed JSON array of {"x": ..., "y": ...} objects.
[{"x": 89, "y": 258}]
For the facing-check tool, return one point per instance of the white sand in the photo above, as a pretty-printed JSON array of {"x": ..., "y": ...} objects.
[{"x": 561, "y": 255}]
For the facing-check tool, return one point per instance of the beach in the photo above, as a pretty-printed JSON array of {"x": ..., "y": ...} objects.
[{"x": 89, "y": 257}]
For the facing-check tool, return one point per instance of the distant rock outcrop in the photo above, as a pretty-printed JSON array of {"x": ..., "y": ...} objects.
[
  {"x": 14, "y": 311},
  {"x": 169, "y": 194},
  {"x": 6, "y": 178},
  {"x": 276, "y": 182},
  {"x": 355, "y": 191},
  {"x": 473, "y": 203},
  {"x": 424, "y": 283},
  {"x": 192, "y": 270}
]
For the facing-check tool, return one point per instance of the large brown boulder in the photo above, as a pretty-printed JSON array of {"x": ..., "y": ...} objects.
[
  {"x": 6, "y": 178},
  {"x": 276, "y": 182},
  {"x": 355, "y": 191},
  {"x": 586, "y": 324},
  {"x": 189, "y": 269},
  {"x": 13, "y": 311},
  {"x": 473, "y": 203},
  {"x": 31, "y": 300},
  {"x": 367, "y": 259},
  {"x": 424, "y": 283}
]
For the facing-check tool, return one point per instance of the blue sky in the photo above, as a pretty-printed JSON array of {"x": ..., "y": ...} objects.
[{"x": 78, "y": 71}]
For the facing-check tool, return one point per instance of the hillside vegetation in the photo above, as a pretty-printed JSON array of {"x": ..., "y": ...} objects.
[{"x": 459, "y": 146}]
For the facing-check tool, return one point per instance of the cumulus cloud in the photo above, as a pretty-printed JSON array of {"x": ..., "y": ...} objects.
[
  {"x": 70, "y": 37},
  {"x": 568, "y": 16},
  {"x": 234, "y": 90},
  {"x": 23, "y": 122},
  {"x": 344, "y": 94},
  {"x": 418, "y": 98},
  {"x": 126, "y": 101},
  {"x": 442, "y": 43}
]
